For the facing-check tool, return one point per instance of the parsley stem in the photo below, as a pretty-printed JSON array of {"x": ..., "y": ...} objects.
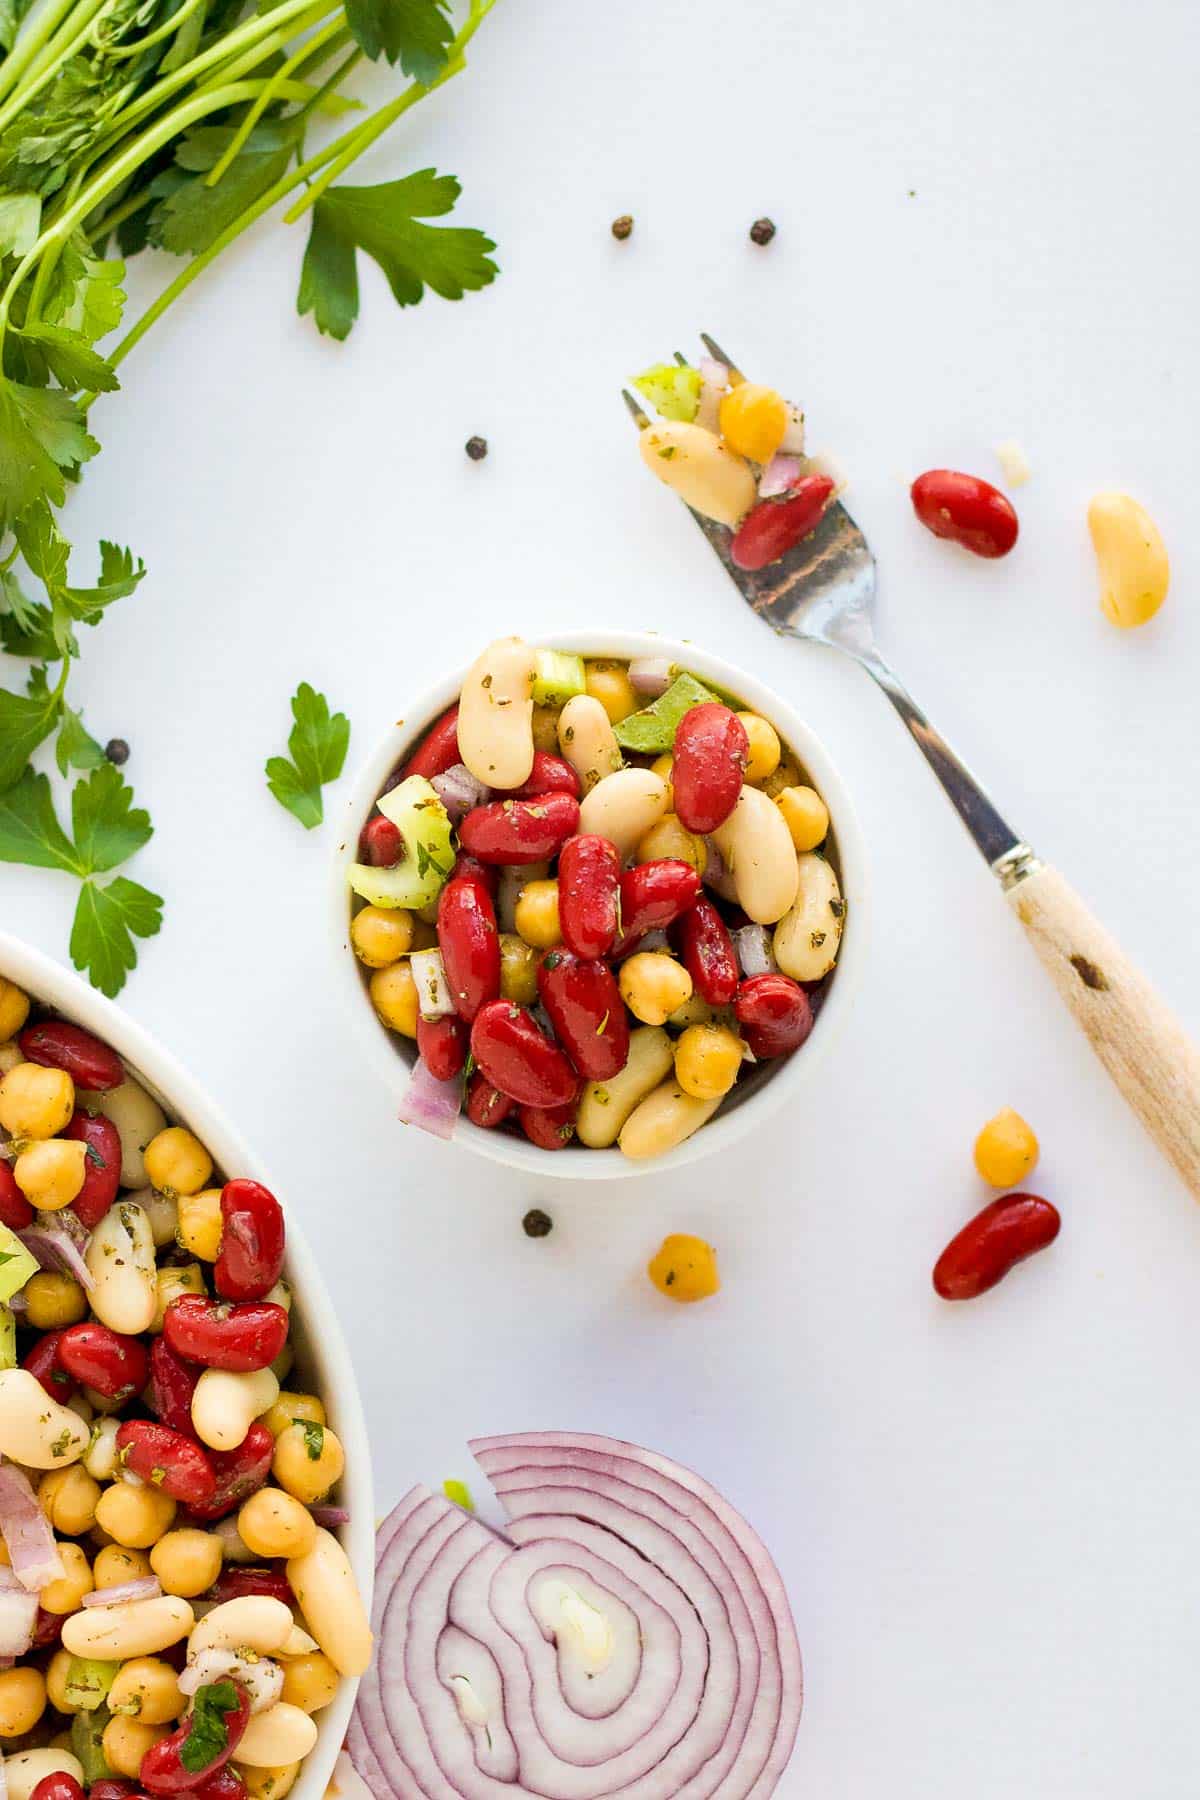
[
  {"x": 166, "y": 30},
  {"x": 66, "y": 44},
  {"x": 321, "y": 41},
  {"x": 36, "y": 34}
]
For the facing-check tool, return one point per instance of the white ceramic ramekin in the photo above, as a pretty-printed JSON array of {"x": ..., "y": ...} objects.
[
  {"x": 752, "y": 1102},
  {"x": 321, "y": 1352}
]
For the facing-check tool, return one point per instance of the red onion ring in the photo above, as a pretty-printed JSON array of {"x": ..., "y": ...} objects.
[
  {"x": 56, "y": 1249},
  {"x": 26, "y": 1532},
  {"x": 432, "y": 1104},
  {"x": 146, "y": 1587}
]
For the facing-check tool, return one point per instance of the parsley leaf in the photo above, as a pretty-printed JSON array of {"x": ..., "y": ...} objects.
[
  {"x": 42, "y": 432},
  {"x": 24, "y": 722},
  {"x": 416, "y": 33},
  {"x": 385, "y": 221},
  {"x": 15, "y": 603},
  {"x": 106, "y": 921},
  {"x": 20, "y": 216},
  {"x": 30, "y": 634},
  {"x": 318, "y": 743},
  {"x": 314, "y": 1440},
  {"x": 194, "y": 214},
  {"x": 108, "y": 827},
  {"x": 67, "y": 355},
  {"x": 75, "y": 747},
  {"x": 84, "y": 294},
  {"x": 209, "y": 1734},
  {"x": 29, "y": 829}
]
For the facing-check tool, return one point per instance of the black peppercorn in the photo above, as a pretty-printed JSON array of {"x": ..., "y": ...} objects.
[
  {"x": 762, "y": 231},
  {"x": 622, "y": 227},
  {"x": 476, "y": 448},
  {"x": 117, "y": 751},
  {"x": 537, "y": 1224}
]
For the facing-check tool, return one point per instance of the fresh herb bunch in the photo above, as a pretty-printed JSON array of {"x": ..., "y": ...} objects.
[{"x": 178, "y": 124}]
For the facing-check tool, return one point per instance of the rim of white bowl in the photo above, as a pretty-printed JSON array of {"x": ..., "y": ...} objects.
[
  {"x": 51, "y": 984},
  {"x": 390, "y": 1056}
]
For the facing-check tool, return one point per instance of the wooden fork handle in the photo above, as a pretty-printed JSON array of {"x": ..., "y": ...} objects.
[{"x": 1136, "y": 1036}]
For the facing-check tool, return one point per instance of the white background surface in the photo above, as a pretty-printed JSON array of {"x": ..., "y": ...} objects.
[{"x": 986, "y": 1515}]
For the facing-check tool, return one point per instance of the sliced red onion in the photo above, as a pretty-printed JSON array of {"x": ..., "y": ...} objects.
[
  {"x": 753, "y": 948},
  {"x": 778, "y": 476},
  {"x": 26, "y": 1531},
  {"x": 18, "y": 1616},
  {"x": 434, "y": 999},
  {"x": 459, "y": 790},
  {"x": 650, "y": 675},
  {"x": 717, "y": 874},
  {"x": 330, "y": 1517},
  {"x": 792, "y": 441},
  {"x": 714, "y": 384},
  {"x": 55, "y": 1249},
  {"x": 629, "y": 1637},
  {"x": 261, "y": 1677},
  {"x": 431, "y": 1104},
  {"x": 146, "y": 1587}
]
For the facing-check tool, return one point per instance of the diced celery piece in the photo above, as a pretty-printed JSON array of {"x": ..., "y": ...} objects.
[
  {"x": 460, "y": 1493},
  {"x": 652, "y": 730},
  {"x": 424, "y": 824},
  {"x": 88, "y": 1681},
  {"x": 16, "y": 1264},
  {"x": 8, "y": 1338},
  {"x": 557, "y": 677},
  {"x": 87, "y": 1729},
  {"x": 672, "y": 390}
]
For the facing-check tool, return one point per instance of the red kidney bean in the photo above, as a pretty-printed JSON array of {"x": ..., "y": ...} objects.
[
  {"x": 172, "y": 1384},
  {"x": 226, "y": 1784},
  {"x": 549, "y": 1127},
  {"x": 487, "y": 1107},
  {"x": 706, "y": 950},
  {"x": 252, "y": 1241},
  {"x": 92, "y": 1066},
  {"x": 61, "y": 1786},
  {"x": 653, "y": 896},
  {"x": 520, "y": 831},
  {"x": 589, "y": 889},
  {"x": 234, "y": 1582},
  {"x": 437, "y": 751},
  {"x": 774, "y": 1014},
  {"x": 469, "y": 943},
  {"x": 43, "y": 1363},
  {"x": 470, "y": 866},
  {"x": 587, "y": 1012},
  {"x": 442, "y": 1044},
  {"x": 550, "y": 775},
  {"x": 15, "y": 1210},
  {"x": 709, "y": 761},
  {"x": 167, "y": 1459},
  {"x": 774, "y": 527},
  {"x": 999, "y": 1237},
  {"x": 109, "y": 1790},
  {"x": 163, "y": 1770},
  {"x": 517, "y": 1057},
  {"x": 966, "y": 509},
  {"x": 380, "y": 843},
  {"x": 47, "y": 1628},
  {"x": 237, "y": 1474},
  {"x": 101, "y": 1166},
  {"x": 116, "y": 1366},
  {"x": 240, "y": 1336}
]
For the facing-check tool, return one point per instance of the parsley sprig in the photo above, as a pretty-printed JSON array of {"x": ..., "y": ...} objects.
[{"x": 318, "y": 743}]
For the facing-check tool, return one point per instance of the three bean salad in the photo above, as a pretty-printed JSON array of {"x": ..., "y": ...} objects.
[
  {"x": 594, "y": 894},
  {"x": 174, "y": 1605}
]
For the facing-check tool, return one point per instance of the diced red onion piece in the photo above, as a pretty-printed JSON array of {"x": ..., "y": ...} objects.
[
  {"x": 146, "y": 1587},
  {"x": 55, "y": 1249},
  {"x": 330, "y": 1517},
  {"x": 714, "y": 383},
  {"x": 26, "y": 1531},
  {"x": 459, "y": 790},
  {"x": 18, "y": 1616},
  {"x": 650, "y": 675},
  {"x": 792, "y": 442},
  {"x": 753, "y": 948},
  {"x": 778, "y": 476},
  {"x": 434, "y": 999},
  {"x": 431, "y": 1104}
]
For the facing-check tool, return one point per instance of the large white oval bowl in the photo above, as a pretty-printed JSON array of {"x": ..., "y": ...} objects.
[
  {"x": 321, "y": 1353},
  {"x": 775, "y": 1085}
]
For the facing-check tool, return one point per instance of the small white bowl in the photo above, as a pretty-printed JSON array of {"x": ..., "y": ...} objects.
[
  {"x": 753, "y": 1098},
  {"x": 320, "y": 1348}
]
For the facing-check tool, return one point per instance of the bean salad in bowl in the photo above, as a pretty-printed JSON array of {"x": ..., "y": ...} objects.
[
  {"x": 176, "y": 1608},
  {"x": 601, "y": 896}
]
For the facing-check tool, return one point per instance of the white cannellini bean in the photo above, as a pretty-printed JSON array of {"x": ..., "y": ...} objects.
[
  {"x": 280, "y": 1295},
  {"x": 587, "y": 740},
  {"x": 700, "y": 469},
  {"x": 82, "y": 1407},
  {"x": 808, "y": 936},
  {"x": 495, "y": 715},
  {"x": 625, "y": 805},
  {"x": 261, "y": 1678},
  {"x": 161, "y": 1210},
  {"x": 254, "y": 1622},
  {"x": 120, "y": 1255},
  {"x": 606, "y": 1105},
  {"x": 299, "y": 1643},
  {"x": 285, "y": 1734},
  {"x": 759, "y": 853},
  {"x": 225, "y": 1405},
  {"x": 138, "y": 1118},
  {"x": 327, "y": 1594},
  {"x": 35, "y": 1430},
  {"x": 23, "y": 1771},
  {"x": 135, "y": 1628},
  {"x": 100, "y": 1457},
  {"x": 665, "y": 1118}
]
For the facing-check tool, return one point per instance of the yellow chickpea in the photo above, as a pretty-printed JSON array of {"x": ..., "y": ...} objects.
[
  {"x": 765, "y": 748},
  {"x": 609, "y": 683},
  {"x": 68, "y": 1497},
  {"x": 36, "y": 1102},
  {"x": 135, "y": 1516},
  {"x": 308, "y": 1461},
  {"x": 268, "y": 1784},
  {"x": 22, "y": 1701},
  {"x": 304, "y": 1407},
  {"x": 115, "y": 1565},
  {"x": 685, "y": 1269},
  {"x": 50, "y": 1173},
  {"x": 394, "y": 997},
  {"x": 58, "y": 1672},
  {"x": 1006, "y": 1149},
  {"x": 806, "y": 816},
  {"x": 518, "y": 969},
  {"x": 146, "y": 1689},
  {"x": 785, "y": 776},
  {"x": 54, "y": 1301},
  {"x": 272, "y": 1523},
  {"x": 170, "y": 1283},
  {"x": 309, "y": 1682},
  {"x": 707, "y": 1061},
  {"x": 545, "y": 729},
  {"x": 381, "y": 935},
  {"x": 14, "y": 1009},
  {"x": 66, "y": 1594},
  {"x": 653, "y": 985},
  {"x": 199, "y": 1224},
  {"x": 753, "y": 420},
  {"x": 536, "y": 914},
  {"x": 177, "y": 1162},
  {"x": 1134, "y": 569},
  {"x": 671, "y": 838},
  {"x": 126, "y": 1741},
  {"x": 187, "y": 1561}
]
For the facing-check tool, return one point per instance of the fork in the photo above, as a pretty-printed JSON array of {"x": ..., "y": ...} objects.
[{"x": 823, "y": 591}]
